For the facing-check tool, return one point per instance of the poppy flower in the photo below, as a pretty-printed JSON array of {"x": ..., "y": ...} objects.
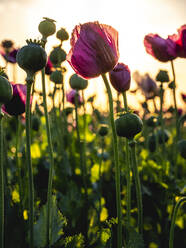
[
  {"x": 94, "y": 49},
  {"x": 162, "y": 49},
  {"x": 71, "y": 97},
  {"x": 10, "y": 56},
  {"x": 120, "y": 77},
  {"x": 17, "y": 104},
  {"x": 180, "y": 40}
]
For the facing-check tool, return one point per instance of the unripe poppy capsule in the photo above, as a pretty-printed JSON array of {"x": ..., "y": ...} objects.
[
  {"x": 103, "y": 130},
  {"x": 62, "y": 34},
  {"x": 162, "y": 76},
  {"x": 47, "y": 27},
  {"x": 78, "y": 83},
  {"x": 57, "y": 56},
  {"x": 6, "y": 91},
  {"x": 128, "y": 125},
  {"x": 56, "y": 77}
]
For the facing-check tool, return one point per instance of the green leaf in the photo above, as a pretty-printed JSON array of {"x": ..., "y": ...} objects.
[{"x": 40, "y": 228}]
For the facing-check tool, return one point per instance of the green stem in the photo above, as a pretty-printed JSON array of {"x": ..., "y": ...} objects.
[
  {"x": 128, "y": 195},
  {"x": 29, "y": 163},
  {"x": 100, "y": 180},
  {"x": 138, "y": 186},
  {"x": 171, "y": 235},
  {"x": 116, "y": 162},
  {"x": 50, "y": 147},
  {"x": 1, "y": 184}
]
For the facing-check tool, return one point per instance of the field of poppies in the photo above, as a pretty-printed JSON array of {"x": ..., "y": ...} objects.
[{"x": 73, "y": 176}]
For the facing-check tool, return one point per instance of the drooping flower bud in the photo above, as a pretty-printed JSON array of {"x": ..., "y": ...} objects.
[
  {"x": 120, "y": 77},
  {"x": 128, "y": 125},
  {"x": 162, "y": 76},
  {"x": 62, "y": 34},
  {"x": 78, "y": 83},
  {"x": 47, "y": 27},
  {"x": 32, "y": 57},
  {"x": 56, "y": 77}
]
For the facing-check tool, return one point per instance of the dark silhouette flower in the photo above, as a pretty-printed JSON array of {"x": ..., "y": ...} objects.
[
  {"x": 162, "y": 49},
  {"x": 94, "y": 49},
  {"x": 17, "y": 104},
  {"x": 120, "y": 77},
  {"x": 10, "y": 56}
]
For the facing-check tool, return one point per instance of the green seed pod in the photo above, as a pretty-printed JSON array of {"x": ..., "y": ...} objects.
[
  {"x": 103, "y": 130},
  {"x": 162, "y": 76},
  {"x": 32, "y": 57},
  {"x": 78, "y": 83},
  {"x": 151, "y": 142},
  {"x": 56, "y": 77},
  {"x": 160, "y": 134},
  {"x": 182, "y": 148},
  {"x": 128, "y": 125},
  {"x": 47, "y": 27},
  {"x": 62, "y": 34},
  {"x": 57, "y": 56},
  {"x": 35, "y": 123},
  {"x": 6, "y": 91}
]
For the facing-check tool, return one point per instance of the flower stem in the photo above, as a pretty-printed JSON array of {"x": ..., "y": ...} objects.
[
  {"x": 29, "y": 162},
  {"x": 138, "y": 186},
  {"x": 171, "y": 235},
  {"x": 128, "y": 195},
  {"x": 50, "y": 147},
  {"x": 1, "y": 184},
  {"x": 116, "y": 162}
]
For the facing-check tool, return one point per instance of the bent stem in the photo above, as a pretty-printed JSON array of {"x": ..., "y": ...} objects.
[
  {"x": 29, "y": 162},
  {"x": 50, "y": 147},
  {"x": 138, "y": 186},
  {"x": 128, "y": 194},
  {"x": 171, "y": 235},
  {"x": 116, "y": 162},
  {"x": 1, "y": 183}
]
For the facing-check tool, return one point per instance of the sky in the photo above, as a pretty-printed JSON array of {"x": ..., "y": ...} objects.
[{"x": 133, "y": 19}]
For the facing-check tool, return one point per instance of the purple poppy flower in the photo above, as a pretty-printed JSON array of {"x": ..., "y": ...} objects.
[
  {"x": 17, "y": 105},
  {"x": 71, "y": 97},
  {"x": 120, "y": 77},
  {"x": 180, "y": 40},
  {"x": 11, "y": 56},
  {"x": 162, "y": 49},
  {"x": 94, "y": 49}
]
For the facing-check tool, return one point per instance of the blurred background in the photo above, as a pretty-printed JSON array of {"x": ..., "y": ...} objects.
[{"x": 133, "y": 19}]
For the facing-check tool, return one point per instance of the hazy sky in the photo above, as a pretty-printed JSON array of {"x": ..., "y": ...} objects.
[{"x": 133, "y": 19}]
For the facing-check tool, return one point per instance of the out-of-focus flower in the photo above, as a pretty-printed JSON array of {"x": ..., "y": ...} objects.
[
  {"x": 17, "y": 104},
  {"x": 48, "y": 67},
  {"x": 120, "y": 77},
  {"x": 180, "y": 40},
  {"x": 183, "y": 97},
  {"x": 147, "y": 85},
  {"x": 162, "y": 49},
  {"x": 10, "y": 56},
  {"x": 71, "y": 97},
  {"x": 180, "y": 111},
  {"x": 94, "y": 49}
]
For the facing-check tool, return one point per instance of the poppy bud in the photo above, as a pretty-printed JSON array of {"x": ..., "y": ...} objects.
[
  {"x": 162, "y": 76},
  {"x": 47, "y": 27},
  {"x": 78, "y": 83},
  {"x": 161, "y": 133},
  {"x": 56, "y": 77},
  {"x": 32, "y": 57},
  {"x": 57, "y": 56},
  {"x": 182, "y": 148},
  {"x": 6, "y": 91},
  {"x": 120, "y": 77},
  {"x": 103, "y": 130},
  {"x": 151, "y": 121},
  {"x": 128, "y": 125},
  {"x": 62, "y": 34}
]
